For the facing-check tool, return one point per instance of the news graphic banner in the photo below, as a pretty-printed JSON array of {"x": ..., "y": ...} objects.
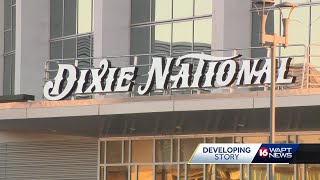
[{"x": 256, "y": 154}]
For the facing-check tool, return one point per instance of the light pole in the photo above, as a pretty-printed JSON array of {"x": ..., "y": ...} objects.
[{"x": 274, "y": 40}]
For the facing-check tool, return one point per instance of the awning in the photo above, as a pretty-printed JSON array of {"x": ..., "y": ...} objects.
[{"x": 165, "y": 115}]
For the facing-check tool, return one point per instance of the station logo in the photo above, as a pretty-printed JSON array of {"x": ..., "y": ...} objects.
[
  {"x": 263, "y": 152},
  {"x": 275, "y": 153},
  {"x": 285, "y": 152}
]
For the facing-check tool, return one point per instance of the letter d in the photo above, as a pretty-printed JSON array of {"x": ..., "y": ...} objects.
[{"x": 55, "y": 88}]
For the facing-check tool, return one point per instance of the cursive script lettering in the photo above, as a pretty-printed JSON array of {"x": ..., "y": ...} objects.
[{"x": 211, "y": 71}]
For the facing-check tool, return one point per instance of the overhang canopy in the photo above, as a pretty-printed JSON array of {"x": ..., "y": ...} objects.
[{"x": 161, "y": 115}]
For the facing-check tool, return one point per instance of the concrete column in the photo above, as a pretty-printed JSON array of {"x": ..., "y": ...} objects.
[
  {"x": 218, "y": 25},
  {"x": 32, "y": 45},
  {"x": 112, "y": 33},
  {"x": 112, "y": 29},
  {"x": 1, "y": 44},
  {"x": 232, "y": 25}
]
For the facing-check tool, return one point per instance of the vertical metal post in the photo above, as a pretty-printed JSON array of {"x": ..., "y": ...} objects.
[
  {"x": 98, "y": 167},
  {"x": 272, "y": 92},
  {"x": 232, "y": 87},
  {"x": 306, "y": 61},
  {"x": 283, "y": 40},
  {"x": 105, "y": 160},
  {"x": 273, "y": 100},
  {"x": 269, "y": 51}
]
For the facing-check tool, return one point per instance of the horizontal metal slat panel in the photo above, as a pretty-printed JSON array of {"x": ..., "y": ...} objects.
[
  {"x": 54, "y": 160},
  {"x": 2, "y": 161}
]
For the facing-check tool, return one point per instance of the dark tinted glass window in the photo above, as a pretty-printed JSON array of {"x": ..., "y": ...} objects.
[
  {"x": 70, "y": 13},
  {"x": 56, "y": 50},
  {"x": 56, "y": 12},
  {"x": 69, "y": 48},
  {"x": 13, "y": 27},
  {"x": 140, "y": 40},
  {"x": 7, "y": 41},
  {"x": 140, "y": 11},
  {"x": 7, "y": 14},
  {"x": 8, "y": 76}
]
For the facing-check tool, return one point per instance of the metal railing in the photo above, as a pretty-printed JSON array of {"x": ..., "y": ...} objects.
[
  {"x": 305, "y": 67},
  {"x": 313, "y": 66}
]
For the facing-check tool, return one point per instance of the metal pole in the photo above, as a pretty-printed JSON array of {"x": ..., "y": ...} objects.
[{"x": 273, "y": 99}]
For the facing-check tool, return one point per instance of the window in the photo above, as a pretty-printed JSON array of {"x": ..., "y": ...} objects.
[
  {"x": 169, "y": 38},
  {"x": 140, "y": 11},
  {"x": 228, "y": 172},
  {"x": 187, "y": 147},
  {"x": 71, "y": 29},
  {"x": 101, "y": 174},
  {"x": 85, "y": 16},
  {"x": 195, "y": 171},
  {"x": 258, "y": 171},
  {"x": 167, "y": 27},
  {"x": 298, "y": 34},
  {"x": 70, "y": 17},
  {"x": 202, "y": 33},
  {"x": 9, "y": 46},
  {"x": 303, "y": 30},
  {"x": 272, "y": 25},
  {"x": 142, "y": 151},
  {"x": 284, "y": 171},
  {"x": 315, "y": 37},
  {"x": 255, "y": 139},
  {"x": 102, "y": 152},
  {"x": 163, "y": 150},
  {"x": 202, "y": 7},
  {"x": 182, "y": 8},
  {"x": 56, "y": 15},
  {"x": 114, "y": 152},
  {"x": 144, "y": 172},
  {"x": 161, "y": 10},
  {"x": 71, "y": 35},
  {"x": 144, "y": 11},
  {"x": 161, "y": 38},
  {"x": 210, "y": 172},
  {"x": 182, "y": 36},
  {"x": 166, "y": 159},
  {"x": 189, "y": 27},
  {"x": 8, "y": 77},
  {"x": 166, "y": 172},
  {"x": 117, "y": 172}
]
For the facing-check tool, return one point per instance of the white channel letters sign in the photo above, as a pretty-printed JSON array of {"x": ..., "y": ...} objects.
[{"x": 210, "y": 72}]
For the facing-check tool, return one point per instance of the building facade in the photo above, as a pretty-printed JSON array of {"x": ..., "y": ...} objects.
[{"x": 118, "y": 136}]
